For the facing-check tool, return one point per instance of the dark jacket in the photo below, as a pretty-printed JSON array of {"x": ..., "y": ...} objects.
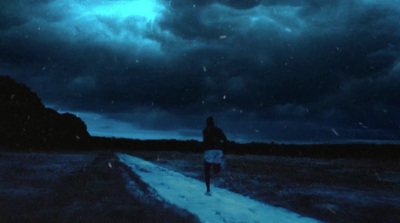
[{"x": 213, "y": 138}]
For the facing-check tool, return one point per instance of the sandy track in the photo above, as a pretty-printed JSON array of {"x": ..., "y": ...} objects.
[{"x": 222, "y": 206}]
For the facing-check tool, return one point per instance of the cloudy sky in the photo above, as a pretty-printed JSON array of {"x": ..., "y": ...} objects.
[{"x": 267, "y": 70}]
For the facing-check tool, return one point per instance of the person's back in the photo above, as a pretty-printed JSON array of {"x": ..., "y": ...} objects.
[{"x": 213, "y": 138}]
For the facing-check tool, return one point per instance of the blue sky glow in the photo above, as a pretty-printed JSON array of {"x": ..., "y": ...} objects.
[{"x": 267, "y": 70}]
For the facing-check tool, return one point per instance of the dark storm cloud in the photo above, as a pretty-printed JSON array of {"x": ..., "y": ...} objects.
[{"x": 271, "y": 67}]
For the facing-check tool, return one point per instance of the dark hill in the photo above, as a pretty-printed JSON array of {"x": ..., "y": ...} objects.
[{"x": 26, "y": 123}]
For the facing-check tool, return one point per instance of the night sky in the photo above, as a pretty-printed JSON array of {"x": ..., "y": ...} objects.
[{"x": 267, "y": 70}]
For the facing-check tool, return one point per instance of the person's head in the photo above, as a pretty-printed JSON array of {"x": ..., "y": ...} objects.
[{"x": 210, "y": 121}]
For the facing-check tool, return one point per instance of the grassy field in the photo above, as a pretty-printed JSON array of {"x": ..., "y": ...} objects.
[
  {"x": 96, "y": 187},
  {"x": 338, "y": 190},
  {"x": 43, "y": 187}
]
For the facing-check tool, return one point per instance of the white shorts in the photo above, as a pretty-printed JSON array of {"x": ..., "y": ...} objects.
[{"x": 214, "y": 156}]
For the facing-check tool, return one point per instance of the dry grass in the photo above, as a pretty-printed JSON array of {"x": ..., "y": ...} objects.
[
  {"x": 42, "y": 187},
  {"x": 77, "y": 188}
]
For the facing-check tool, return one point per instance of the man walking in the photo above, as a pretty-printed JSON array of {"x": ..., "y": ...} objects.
[{"x": 214, "y": 141}]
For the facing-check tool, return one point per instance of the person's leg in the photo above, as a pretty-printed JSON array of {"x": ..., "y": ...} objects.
[{"x": 207, "y": 167}]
